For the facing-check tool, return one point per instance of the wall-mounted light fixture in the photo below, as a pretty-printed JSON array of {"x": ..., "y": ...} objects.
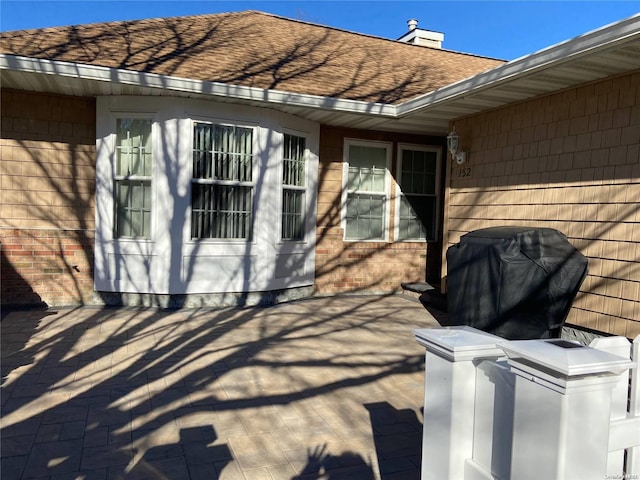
[{"x": 452, "y": 145}]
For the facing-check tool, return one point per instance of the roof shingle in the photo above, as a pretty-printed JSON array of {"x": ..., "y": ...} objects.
[{"x": 255, "y": 49}]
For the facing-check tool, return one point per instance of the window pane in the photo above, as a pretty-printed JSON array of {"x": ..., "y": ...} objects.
[
  {"x": 123, "y": 221},
  {"x": 417, "y": 217},
  {"x": 292, "y": 214},
  {"x": 137, "y": 195},
  {"x": 407, "y": 161},
  {"x": 232, "y": 153},
  {"x": 378, "y": 178},
  {"x": 405, "y": 178},
  {"x": 366, "y": 179},
  {"x": 293, "y": 172},
  {"x": 365, "y": 217},
  {"x": 367, "y": 168},
  {"x": 417, "y": 184},
  {"x": 353, "y": 181},
  {"x": 365, "y": 156},
  {"x": 221, "y": 211},
  {"x": 202, "y": 150},
  {"x": 429, "y": 184},
  {"x": 133, "y": 147},
  {"x": 431, "y": 162},
  {"x": 133, "y": 208},
  {"x": 222, "y": 152},
  {"x": 418, "y": 172},
  {"x": 146, "y": 224},
  {"x": 351, "y": 229}
]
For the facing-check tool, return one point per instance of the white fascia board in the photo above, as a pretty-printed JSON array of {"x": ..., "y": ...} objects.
[
  {"x": 186, "y": 85},
  {"x": 591, "y": 42}
]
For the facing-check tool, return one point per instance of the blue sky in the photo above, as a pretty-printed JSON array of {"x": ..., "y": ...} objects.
[{"x": 500, "y": 29}]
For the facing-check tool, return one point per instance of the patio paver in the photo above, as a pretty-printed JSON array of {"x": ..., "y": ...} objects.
[{"x": 323, "y": 388}]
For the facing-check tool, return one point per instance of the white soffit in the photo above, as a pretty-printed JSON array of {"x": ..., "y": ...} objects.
[{"x": 610, "y": 50}]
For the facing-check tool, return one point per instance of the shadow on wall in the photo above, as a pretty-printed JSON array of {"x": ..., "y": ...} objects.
[
  {"x": 15, "y": 287},
  {"x": 51, "y": 207}
]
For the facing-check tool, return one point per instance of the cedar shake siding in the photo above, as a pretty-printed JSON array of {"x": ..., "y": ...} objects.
[
  {"x": 569, "y": 161},
  {"x": 47, "y": 204}
]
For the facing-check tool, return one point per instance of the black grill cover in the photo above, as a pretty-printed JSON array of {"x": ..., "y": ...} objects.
[{"x": 515, "y": 282}]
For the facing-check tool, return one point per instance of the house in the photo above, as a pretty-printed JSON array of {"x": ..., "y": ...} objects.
[{"x": 241, "y": 157}]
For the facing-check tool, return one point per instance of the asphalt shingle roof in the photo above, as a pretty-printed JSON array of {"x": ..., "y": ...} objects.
[{"x": 255, "y": 49}]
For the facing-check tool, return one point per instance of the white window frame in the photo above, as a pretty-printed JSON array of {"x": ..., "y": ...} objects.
[
  {"x": 118, "y": 178},
  {"x": 388, "y": 146},
  {"x": 399, "y": 194},
  {"x": 255, "y": 153},
  {"x": 303, "y": 188}
]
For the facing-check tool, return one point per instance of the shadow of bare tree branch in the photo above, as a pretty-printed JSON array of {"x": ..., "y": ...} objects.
[
  {"x": 122, "y": 380},
  {"x": 258, "y": 50}
]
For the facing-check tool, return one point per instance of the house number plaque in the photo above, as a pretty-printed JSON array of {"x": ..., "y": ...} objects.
[{"x": 464, "y": 172}]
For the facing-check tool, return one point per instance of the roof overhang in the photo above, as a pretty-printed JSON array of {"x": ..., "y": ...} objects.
[
  {"x": 609, "y": 51},
  {"x": 28, "y": 73}
]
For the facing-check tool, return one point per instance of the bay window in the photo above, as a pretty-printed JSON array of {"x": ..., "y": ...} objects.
[{"x": 198, "y": 197}]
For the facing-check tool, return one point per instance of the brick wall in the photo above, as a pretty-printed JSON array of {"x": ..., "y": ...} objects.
[
  {"x": 363, "y": 266},
  {"x": 54, "y": 267},
  {"x": 47, "y": 186},
  {"x": 569, "y": 161}
]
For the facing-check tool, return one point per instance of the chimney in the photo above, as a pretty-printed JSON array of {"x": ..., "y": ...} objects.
[{"x": 418, "y": 36}]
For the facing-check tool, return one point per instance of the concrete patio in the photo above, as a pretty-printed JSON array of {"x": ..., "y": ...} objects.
[{"x": 325, "y": 388}]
